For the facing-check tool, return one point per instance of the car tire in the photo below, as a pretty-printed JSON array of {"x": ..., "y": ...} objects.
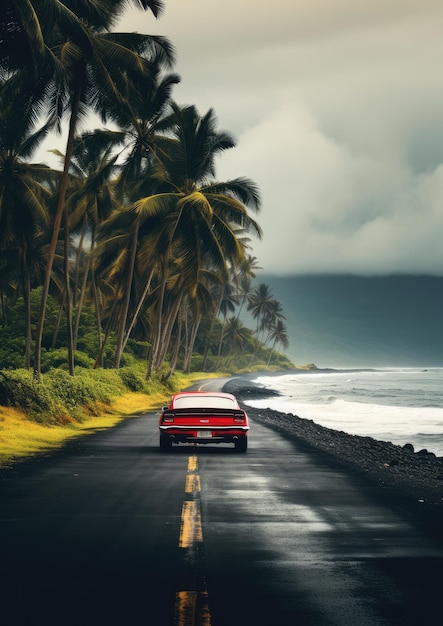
[
  {"x": 241, "y": 445},
  {"x": 165, "y": 443}
]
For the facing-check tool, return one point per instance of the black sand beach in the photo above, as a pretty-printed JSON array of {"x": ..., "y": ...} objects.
[{"x": 408, "y": 480}]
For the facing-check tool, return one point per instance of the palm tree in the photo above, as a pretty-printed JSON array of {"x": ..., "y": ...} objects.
[
  {"x": 144, "y": 124},
  {"x": 24, "y": 196},
  {"x": 272, "y": 315},
  {"x": 89, "y": 203},
  {"x": 197, "y": 219},
  {"x": 278, "y": 335},
  {"x": 237, "y": 336},
  {"x": 227, "y": 303},
  {"x": 184, "y": 225},
  {"x": 243, "y": 280},
  {"x": 141, "y": 123},
  {"x": 84, "y": 66},
  {"x": 260, "y": 302},
  {"x": 201, "y": 305},
  {"x": 265, "y": 309}
]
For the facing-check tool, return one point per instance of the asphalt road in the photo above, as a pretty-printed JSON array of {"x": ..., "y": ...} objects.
[{"x": 111, "y": 531}]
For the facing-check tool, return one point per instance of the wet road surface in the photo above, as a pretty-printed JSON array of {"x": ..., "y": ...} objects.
[{"x": 111, "y": 531}]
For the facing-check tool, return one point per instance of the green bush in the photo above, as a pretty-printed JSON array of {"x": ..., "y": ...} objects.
[
  {"x": 127, "y": 360},
  {"x": 86, "y": 387},
  {"x": 19, "y": 389},
  {"x": 132, "y": 379},
  {"x": 197, "y": 363},
  {"x": 58, "y": 359},
  {"x": 71, "y": 391},
  {"x": 59, "y": 395},
  {"x": 12, "y": 349},
  {"x": 81, "y": 359},
  {"x": 88, "y": 343},
  {"x": 138, "y": 348}
]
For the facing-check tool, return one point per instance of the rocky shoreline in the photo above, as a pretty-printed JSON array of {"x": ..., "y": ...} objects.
[{"x": 409, "y": 480}]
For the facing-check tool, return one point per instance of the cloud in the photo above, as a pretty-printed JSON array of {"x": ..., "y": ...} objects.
[
  {"x": 327, "y": 208},
  {"x": 337, "y": 107}
]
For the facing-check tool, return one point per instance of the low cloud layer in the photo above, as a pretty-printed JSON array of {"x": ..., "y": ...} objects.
[{"x": 337, "y": 109}]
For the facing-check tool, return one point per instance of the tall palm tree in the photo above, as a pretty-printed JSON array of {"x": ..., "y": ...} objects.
[
  {"x": 85, "y": 65},
  {"x": 237, "y": 336},
  {"x": 203, "y": 304},
  {"x": 141, "y": 124},
  {"x": 227, "y": 304},
  {"x": 144, "y": 125},
  {"x": 270, "y": 317},
  {"x": 188, "y": 221},
  {"x": 89, "y": 202},
  {"x": 278, "y": 335},
  {"x": 198, "y": 219},
  {"x": 24, "y": 196},
  {"x": 260, "y": 302},
  {"x": 265, "y": 309},
  {"x": 243, "y": 280}
]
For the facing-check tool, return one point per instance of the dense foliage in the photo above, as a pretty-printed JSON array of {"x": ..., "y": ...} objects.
[
  {"x": 133, "y": 252},
  {"x": 59, "y": 398}
]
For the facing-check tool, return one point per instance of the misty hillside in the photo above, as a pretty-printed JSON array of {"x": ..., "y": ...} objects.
[{"x": 352, "y": 321}]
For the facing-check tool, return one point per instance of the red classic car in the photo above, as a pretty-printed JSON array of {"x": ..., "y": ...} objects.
[{"x": 203, "y": 417}]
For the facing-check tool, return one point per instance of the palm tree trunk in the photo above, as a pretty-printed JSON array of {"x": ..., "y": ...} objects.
[
  {"x": 97, "y": 304},
  {"x": 125, "y": 307},
  {"x": 208, "y": 341},
  {"x": 220, "y": 342},
  {"x": 27, "y": 299},
  {"x": 271, "y": 354},
  {"x": 80, "y": 302},
  {"x": 55, "y": 234},
  {"x": 168, "y": 326},
  {"x": 155, "y": 344},
  {"x": 76, "y": 292},
  {"x": 67, "y": 273},
  {"x": 138, "y": 309},
  {"x": 176, "y": 351},
  {"x": 190, "y": 346},
  {"x": 211, "y": 328},
  {"x": 3, "y": 310},
  {"x": 58, "y": 321},
  {"x": 102, "y": 344},
  {"x": 98, "y": 321}
]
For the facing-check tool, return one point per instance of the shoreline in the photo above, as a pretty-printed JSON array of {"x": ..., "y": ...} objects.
[{"x": 410, "y": 481}]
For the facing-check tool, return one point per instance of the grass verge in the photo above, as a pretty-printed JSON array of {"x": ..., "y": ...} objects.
[{"x": 22, "y": 437}]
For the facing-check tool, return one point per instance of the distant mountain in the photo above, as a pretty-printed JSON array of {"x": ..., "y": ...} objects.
[{"x": 355, "y": 321}]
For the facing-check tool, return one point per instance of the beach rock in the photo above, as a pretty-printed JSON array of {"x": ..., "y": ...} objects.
[{"x": 250, "y": 392}]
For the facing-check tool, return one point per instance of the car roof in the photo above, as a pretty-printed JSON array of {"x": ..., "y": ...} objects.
[
  {"x": 220, "y": 394},
  {"x": 210, "y": 399}
]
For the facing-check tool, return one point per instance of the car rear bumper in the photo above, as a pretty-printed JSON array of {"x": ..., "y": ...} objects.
[{"x": 203, "y": 435}]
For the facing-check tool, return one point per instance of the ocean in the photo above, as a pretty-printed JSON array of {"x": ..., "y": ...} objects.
[{"x": 400, "y": 405}]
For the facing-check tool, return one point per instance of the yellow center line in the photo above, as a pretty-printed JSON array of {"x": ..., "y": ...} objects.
[
  {"x": 192, "y": 464},
  {"x": 191, "y": 525},
  {"x": 192, "y": 484},
  {"x": 191, "y": 607}
]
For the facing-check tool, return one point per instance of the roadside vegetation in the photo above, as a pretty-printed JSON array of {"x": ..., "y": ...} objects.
[
  {"x": 36, "y": 419},
  {"x": 130, "y": 266}
]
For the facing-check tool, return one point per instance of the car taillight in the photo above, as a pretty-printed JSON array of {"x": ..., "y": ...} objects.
[
  {"x": 168, "y": 418},
  {"x": 239, "y": 417}
]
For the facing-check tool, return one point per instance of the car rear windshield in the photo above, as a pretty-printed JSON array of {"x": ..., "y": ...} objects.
[{"x": 207, "y": 402}]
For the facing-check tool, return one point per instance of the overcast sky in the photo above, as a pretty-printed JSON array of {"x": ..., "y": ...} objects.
[{"x": 337, "y": 110}]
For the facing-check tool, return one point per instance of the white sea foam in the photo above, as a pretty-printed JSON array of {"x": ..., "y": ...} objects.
[{"x": 401, "y": 406}]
